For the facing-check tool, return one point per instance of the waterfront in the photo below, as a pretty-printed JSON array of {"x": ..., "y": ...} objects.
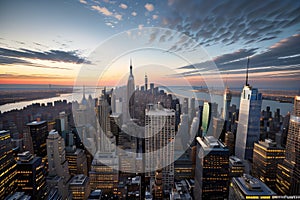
[{"x": 180, "y": 92}]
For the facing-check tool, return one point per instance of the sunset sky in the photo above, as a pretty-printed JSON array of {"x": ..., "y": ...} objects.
[{"x": 173, "y": 42}]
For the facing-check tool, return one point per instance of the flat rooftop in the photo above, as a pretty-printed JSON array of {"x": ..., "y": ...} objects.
[
  {"x": 79, "y": 179},
  {"x": 35, "y": 123},
  {"x": 252, "y": 186}
]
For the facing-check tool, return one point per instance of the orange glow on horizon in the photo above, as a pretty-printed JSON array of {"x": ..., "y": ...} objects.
[{"x": 69, "y": 82}]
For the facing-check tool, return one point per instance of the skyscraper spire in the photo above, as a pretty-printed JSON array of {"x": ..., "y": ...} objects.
[
  {"x": 83, "y": 93},
  {"x": 247, "y": 72},
  {"x": 130, "y": 67},
  {"x": 146, "y": 82}
]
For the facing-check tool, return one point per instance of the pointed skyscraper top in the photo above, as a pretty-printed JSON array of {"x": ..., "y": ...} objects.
[
  {"x": 247, "y": 84},
  {"x": 83, "y": 93},
  {"x": 130, "y": 67}
]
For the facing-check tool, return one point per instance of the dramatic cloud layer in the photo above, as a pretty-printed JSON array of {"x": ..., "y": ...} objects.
[
  {"x": 10, "y": 56},
  {"x": 228, "y": 22},
  {"x": 283, "y": 56}
]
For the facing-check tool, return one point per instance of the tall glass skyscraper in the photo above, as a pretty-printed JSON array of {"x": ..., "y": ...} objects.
[
  {"x": 248, "y": 125},
  {"x": 288, "y": 177}
]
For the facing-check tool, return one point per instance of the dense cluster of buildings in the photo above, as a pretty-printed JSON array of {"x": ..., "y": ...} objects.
[{"x": 141, "y": 143}]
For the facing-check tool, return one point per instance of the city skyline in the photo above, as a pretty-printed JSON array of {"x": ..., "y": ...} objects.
[
  {"x": 135, "y": 143},
  {"x": 49, "y": 43}
]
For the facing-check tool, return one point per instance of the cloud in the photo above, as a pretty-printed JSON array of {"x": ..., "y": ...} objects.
[
  {"x": 102, "y": 10},
  {"x": 134, "y": 14},
  {"x": 51, "y": 55},
  {"x": 83, "y": 1},
  {"x": 149, "y": 7},
  {"x": 32, "y": 76},
  {"x": 118, "y": 16},
  {"x": 141, "y": 26},
  {"x": 15, "y": 61},
  {"x": 123, "y": 6},
  {"x": 281, "y": 58},
  {"x": 106, "y": 12},
  {"x": 154, "y": 17},
  {"x": 241, "y": 22}
]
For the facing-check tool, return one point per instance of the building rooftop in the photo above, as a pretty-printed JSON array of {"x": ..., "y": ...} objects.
[
  {"x": 105, "y": 158},
  {"x": 252, "y": 186},
  {"x": 18, "y": 196},
  {"x": 210, "y": 143},
  {"x": 34, "y": 123},
  {"x": 235, "y": 160},
  {"x": 158, "y": 109},
  {"x": 4, "y": 132},
  {"x": 95, "y": 194},
  {"x": 79, "y": 179}
]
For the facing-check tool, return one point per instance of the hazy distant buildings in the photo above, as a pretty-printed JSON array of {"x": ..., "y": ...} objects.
[
  {"x": 159, "y": 143},
  {"x": 249, "y": 121},
  {"x": 248, "y": 187},
  {"x": 212, "y": 169},
  {"x": 227, "y": 100},
  {"x": 103, "y": 116},
  {"x": 218, "y": 124},
  {"x": 146, "y": 82},
  {"x": 266, "y": 156},
  {"x": 8, "y": 172},
  {"x": 288, "y": 177},
  {"x": 130, "y": 95}
]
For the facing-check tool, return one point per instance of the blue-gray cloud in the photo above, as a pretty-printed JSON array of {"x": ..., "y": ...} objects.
[
  {"x": 283, "y": 56},
  {"x": 210, "y": 22},
  {"x": 52, "y": 55}
]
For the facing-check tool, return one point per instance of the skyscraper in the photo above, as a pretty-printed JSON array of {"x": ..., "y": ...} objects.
[
  {"x": 229, "y": 142},
  {"x": 210, "y": 110},
  {"x": 8, "y": 173},
  {"x": 236, "y": 167},
  {"x": 104, "y": 173},
  {"x": 130, "y": 95},
  {"x": 103, "y": 114},
  {"x": 80, "y": 187},
  {"x": 77, "y": 161},
  {"x": 266, "y": 156},
  {"x": 227, "y": 100},
  {"x": 249, "y": 121},
  {"x": 58, "y": 164},
  {"x": 160, "y": 134},
  {"x": 212, "y": 169},
  {"x": 39, "y": 131},
  {"x": 248, "y": 187},
  {"x": 146, "y": 82},
  {"x": 288, "y": 177},
  {"x": 31, "y": 175}
]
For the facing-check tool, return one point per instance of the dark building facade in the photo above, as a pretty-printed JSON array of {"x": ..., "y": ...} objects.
[
  {"x": 212, "y": 169},
  {"x": 8, "y": 173}
]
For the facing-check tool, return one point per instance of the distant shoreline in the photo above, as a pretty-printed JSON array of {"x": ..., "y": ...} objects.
[
  {"x": 283, "y": 96},
  {"x": 14, "y": 96}
]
